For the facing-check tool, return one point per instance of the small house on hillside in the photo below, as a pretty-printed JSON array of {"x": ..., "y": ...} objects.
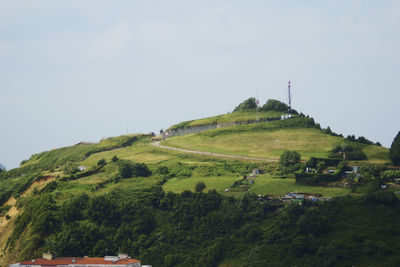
[{"x": 122, "y": 260}]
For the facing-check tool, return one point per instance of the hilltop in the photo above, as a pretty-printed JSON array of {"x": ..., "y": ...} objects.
[{"x": 124, "y": 194}]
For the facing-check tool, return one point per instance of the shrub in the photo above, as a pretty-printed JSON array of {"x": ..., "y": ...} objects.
[
  {"x": 163, "y": 170},
  {"x": 101, "y": 162},
  {"x": 140, "y": 170},
  {"x": 70, "y": 168},
  {"x": 352, "y": 153},
  {"x": 391, "y": 174},
  {"x": 320, "y": 166},
  {"x": 114, "y": 159},
  {"x": 248, "y": 104},
  {"x": 200, "y": 186},
  {"x": 125, "y": 170},
  {"x": 289, "y": 158},
  {"x": 288, "y": 162},
  {"x": 274, "y": 105},
  {"x": 128, "y": 170}
]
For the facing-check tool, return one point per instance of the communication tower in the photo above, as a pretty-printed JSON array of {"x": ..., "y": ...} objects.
[{"x": 289, "y": 97}]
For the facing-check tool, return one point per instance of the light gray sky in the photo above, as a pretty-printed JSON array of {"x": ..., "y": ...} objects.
[{"x": 74, "y": 71}]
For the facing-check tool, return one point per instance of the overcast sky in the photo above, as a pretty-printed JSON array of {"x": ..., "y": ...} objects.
[{"x": 74, "y": 71}]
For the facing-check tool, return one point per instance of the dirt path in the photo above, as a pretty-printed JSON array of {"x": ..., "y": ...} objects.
[{"x": 157, "y": 144}]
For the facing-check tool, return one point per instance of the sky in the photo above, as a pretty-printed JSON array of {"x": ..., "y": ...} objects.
[{"x": 74, "y": 71}]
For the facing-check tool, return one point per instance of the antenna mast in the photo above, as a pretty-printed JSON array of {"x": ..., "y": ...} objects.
[{"x": 290, "y": 97}]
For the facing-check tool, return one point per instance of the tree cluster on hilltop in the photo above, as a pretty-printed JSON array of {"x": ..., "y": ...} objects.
[{"x": 270, "y": 105}]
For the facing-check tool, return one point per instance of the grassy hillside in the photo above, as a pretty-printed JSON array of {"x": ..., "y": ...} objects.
[
  {"x": 265, "y": 184},
  {"x": 269, "y": 140},
  {"x": 239, "y": 116},
  {"x": 159, "y": 219}
]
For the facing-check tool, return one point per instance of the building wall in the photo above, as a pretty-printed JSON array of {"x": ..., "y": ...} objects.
[{"x": 202, "y": 128}]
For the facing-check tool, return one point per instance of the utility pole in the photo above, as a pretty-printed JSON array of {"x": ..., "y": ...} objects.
[
  {"x": 289, "y": 97},
  {"x": 257, "y": 115}
]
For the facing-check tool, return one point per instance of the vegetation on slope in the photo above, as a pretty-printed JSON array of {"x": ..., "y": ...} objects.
[
  {"x": 269, "y": 140},
  {"x": 240, "y": 117},
  {"x": 206, "y": 229},
  {"x": 139, "y": 199},
  {"x": 246, "y": 112}
]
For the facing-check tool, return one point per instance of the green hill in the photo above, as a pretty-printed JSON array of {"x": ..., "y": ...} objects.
[
  {"x": 78, "y": 200},
  {"x": 270, "y": 139},
  {"x": 239, "y": 116}
]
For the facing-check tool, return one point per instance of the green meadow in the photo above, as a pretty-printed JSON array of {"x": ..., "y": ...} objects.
[
  {"x": 269, "y": 185},
  {"x": 240, "y": 116},
  {"x": 264, "y": 184},
  {"x": 269, "y": 143}
]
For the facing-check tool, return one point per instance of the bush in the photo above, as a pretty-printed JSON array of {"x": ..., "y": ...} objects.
[
  {"x": 391, "y": 174},
  {"x": 312, "y": 162},
  {"x": 140, "y": 170},
  {"x": 289, "y": 158},
  {"x": 101, "y": 162},
  {"x": 200, "y": 186},
  {"x": 321, "y": 166},
  {"x": 125, "y": 170},
  {"x": 114, "y": 159},
  {"x": 274, "y": 105},
  {"x": 316, "y": 179},
  {"x": 162, "y": 170},
  {"x": 128, "y": 170},
  {"x": 352, "y": 153},
  {"x": 248, "y": 104},
  {"x": 289, "y": 162},
  {"x": 70, "y": 168}
]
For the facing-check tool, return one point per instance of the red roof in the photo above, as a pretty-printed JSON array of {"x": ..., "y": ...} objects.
[{"x": 76, "y": 261}]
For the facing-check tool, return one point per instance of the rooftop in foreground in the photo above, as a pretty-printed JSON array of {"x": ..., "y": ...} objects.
[{"x": 48, "y": 260}]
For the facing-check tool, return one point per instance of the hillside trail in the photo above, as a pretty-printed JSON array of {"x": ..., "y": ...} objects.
[{"x": 157, "y": 144}]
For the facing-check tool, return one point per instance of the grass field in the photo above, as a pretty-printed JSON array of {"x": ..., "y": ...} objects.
[
  {"x": 264, "y": 184},
  {"x": 269, "y": 185},
  {"x": 219, "y": 183},
  {"x": 269, "y": 143},
  {"x": 230, "y": 117},
  {"x": 266, "y": 144}
]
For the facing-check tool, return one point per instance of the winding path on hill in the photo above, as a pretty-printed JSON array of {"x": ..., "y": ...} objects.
[{"x": 157, "y": 144}]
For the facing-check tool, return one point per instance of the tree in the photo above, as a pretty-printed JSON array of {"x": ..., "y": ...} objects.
[
  {"x": 289, "y": 157},
  {"x": 320, "y": 166},
  {"x": 200, "y": 186},
  {"x": 274, "y": 105},
  {"x": 288, "y": 162},
  {"x": 101, "y": 162},
  {"x": 125, "y": 170},
  {"x": 248, "y": 104},
  {"x": 140, "y": 170},
  {"x": 394, "y": 152},
  {"x": 70, "y": 168}
]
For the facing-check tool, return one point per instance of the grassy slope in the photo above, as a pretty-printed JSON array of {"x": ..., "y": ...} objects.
[
  {"x": 270, "y": 142},
  {"x": 230, "y": 117},
  {"x": 267, "y": 184},
  {"x": 249, "y": 140},
  {"x": 264, "y": 184}
]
